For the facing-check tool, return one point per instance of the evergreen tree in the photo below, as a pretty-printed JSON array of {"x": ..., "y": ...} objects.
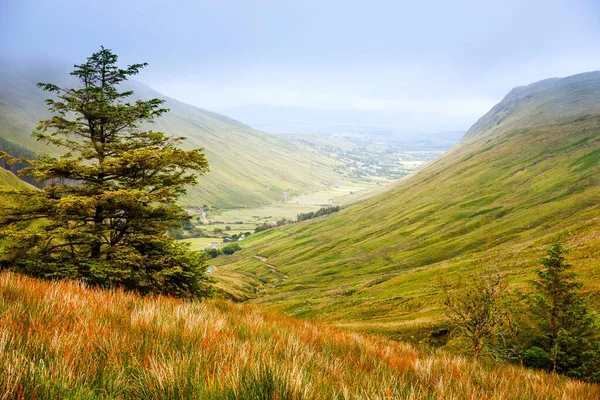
[
  {"x": 112, "y": 194},
  {"x": 564, "y": 331}
]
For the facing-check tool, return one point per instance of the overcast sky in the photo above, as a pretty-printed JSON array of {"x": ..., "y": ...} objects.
[{"x": 425, "y": 64}]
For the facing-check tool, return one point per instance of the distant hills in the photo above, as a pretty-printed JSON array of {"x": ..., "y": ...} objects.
[
  {"x": 526, "y": 172},
  {"x": 248, "y": 167}
]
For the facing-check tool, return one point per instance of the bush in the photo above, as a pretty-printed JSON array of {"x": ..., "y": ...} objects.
[
  {"x": 231, "y": 248},
  {"x": 213, "y": 252},
  {"x": 535, "y": 357},
  {"x": 318, "y": 213},
  {"x": 262, "y": 227}
]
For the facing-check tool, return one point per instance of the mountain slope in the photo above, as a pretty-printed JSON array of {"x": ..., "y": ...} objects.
[
  {"x": 494, "y": 200},
  {"x": 542, "y": 102},
  {"x": 8, "y": 179},
  {"x": 63, "y": 340},
  {"x": 248, "y": 167}
]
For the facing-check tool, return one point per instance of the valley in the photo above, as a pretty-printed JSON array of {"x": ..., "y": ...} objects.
[
  {"x": 365, "y": 169},
  {"x": 300, "y": 200},
  {"x": 492, "y": 201},
  {"x": 360, "y": 236}
]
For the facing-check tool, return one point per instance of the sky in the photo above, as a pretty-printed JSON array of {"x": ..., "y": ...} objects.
[{"x": 283, "y": 65}]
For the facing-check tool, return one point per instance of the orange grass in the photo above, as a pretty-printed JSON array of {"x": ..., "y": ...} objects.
[{"x": 62, "y": 340}]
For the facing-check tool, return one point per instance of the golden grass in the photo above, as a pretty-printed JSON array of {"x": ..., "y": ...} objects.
[{"x": 63, "y": 340}]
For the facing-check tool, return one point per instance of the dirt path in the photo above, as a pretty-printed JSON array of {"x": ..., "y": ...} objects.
[
  {"x": 205, "y": 220},
  {"x": 271, "y": 267}
]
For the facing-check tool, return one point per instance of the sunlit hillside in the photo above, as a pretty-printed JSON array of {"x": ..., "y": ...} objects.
[
  {"x": 494, "y": 201},
  {"x": 62, "y": 340}
]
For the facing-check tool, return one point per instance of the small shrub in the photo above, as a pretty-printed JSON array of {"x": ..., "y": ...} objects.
[
  {"x": 535, "y": 357},
  {"x": 213, "y": 252},
  {"x": 231, "y": 248}
]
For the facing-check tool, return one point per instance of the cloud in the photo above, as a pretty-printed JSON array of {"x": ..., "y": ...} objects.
[{"x": 206, "y": 95}]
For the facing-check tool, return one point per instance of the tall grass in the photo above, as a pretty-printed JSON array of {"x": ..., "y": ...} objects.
[{"x": 61, "y": 340}]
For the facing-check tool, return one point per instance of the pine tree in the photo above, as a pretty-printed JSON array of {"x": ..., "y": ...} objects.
[
  {"x": 112, "y": 194},
  {"x": 564, "y": 331}
]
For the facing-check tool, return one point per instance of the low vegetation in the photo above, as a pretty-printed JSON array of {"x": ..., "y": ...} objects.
[
  {"x": 63, "y": 340},
  {"x": 300, "y": 217},
  {"x": 551, "y": 328},
  {"x": 231, "y": 248},
  {"x": 318, "y": 213}
]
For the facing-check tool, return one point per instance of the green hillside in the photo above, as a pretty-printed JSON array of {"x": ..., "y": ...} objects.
[
  {"x": 248, "y": 167},
  {"x": 518, "y": 179},
  {"x": 542, "y": 102},
  {"x": 9, "y": 179}
]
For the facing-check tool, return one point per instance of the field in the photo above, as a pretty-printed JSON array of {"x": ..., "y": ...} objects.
[
  {"x": 200, "y": 243},
  {"x": 61, "y": 340},
  {"x": 346, "y": 191},
  {"x": 243, "y": 220},
  {"x": 353, "y": 185}
]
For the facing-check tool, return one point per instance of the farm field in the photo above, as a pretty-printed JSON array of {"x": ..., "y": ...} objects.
[{"x": 345, "y": 192}]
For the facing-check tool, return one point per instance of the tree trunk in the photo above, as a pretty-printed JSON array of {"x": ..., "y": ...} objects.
[{"x": 97, "y": 245}]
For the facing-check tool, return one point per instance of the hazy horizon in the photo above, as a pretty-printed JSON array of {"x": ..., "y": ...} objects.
[{"x": 307, "y": 66}]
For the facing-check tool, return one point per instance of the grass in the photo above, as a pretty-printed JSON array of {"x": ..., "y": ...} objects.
[
  {"x": 61, "y": 340},
  {"x": 540, "y": 103},
  {"x": 200, "y": 243},
  {"x": 506, "y": 196},
  {"x": 8, "y": 179}
]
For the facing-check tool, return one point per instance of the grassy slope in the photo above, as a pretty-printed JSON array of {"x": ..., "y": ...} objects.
[
  {"x": 376, "y": 266},
  {"x": 542, "y": 102},
  {"x": 8, "y": 179},
  {"x": 248, "y": 167},
  {"x": 62, "y": 341}
]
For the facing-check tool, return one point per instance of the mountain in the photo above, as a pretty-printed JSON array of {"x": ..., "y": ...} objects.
[
  {"x": 63, "y": 340},
  {"x": 248, "y": 167},
  {"x": 542, "y": 102},
  {"x": 526, "y": 172}
]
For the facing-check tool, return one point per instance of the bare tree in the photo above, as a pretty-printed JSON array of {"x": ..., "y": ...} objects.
[{"x": 476, "y": 309}]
